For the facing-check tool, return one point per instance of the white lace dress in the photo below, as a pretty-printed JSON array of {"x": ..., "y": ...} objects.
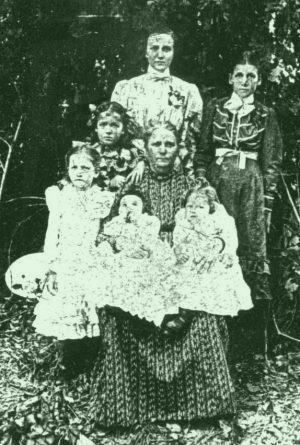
[
  {"x": 141, "y": 263},
  {"x": 211, "y": 279},
  {"x": 72, "y": 253}
]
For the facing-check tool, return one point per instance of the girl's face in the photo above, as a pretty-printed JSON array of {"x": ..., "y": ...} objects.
[
  {"x": 130, "y": 205},
  {"x": 244, "y": 80},
  {"x": 81, "y": 171},
  {"x": 109, "y": 128},
  {"x": 162, "y": 149},
  {"x": 197, "y": 208}
]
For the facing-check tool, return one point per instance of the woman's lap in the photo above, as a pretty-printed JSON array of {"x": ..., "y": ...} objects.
[{"x": 141, "y": 376}]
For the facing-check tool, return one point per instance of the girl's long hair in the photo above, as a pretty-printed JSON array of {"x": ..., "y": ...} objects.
[{"x": 131, "y": 130}]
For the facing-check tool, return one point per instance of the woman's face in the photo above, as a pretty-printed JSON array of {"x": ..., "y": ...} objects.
[
  {"x": 130, "y": 205},
  {"x": 81, "y": 171},
  {"x": 197, "y": 208},
  {"x": 162, "y": 150},
  {"x": 244, "y": 80},
  {"x": 109, "y": 128},
  {"x": 160, "y": 51}
]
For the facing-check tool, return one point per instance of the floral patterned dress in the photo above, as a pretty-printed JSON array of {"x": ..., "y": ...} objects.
[
  {"x": 72, "y": 253},
  {"x": 152, "y": 99},
  {"x": 116, "y": 161}
]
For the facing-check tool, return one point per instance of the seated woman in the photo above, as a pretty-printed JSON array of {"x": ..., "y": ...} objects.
[{"x": 142, "y": 375}]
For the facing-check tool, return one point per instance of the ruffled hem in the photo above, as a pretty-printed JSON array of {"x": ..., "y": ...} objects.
[{"x": 153, "y": 293}]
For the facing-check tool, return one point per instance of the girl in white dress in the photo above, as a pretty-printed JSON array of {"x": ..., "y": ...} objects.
[{"x": 66, "y": 309}]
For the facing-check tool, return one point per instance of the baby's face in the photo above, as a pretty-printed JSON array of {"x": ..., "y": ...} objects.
[
  {"x": 104, "y": 204},
  {"x": 130, "y": 205},
  {"x": 197, "y": 208}
]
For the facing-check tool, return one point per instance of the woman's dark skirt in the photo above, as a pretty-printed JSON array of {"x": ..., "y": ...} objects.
[{"x": 140, "y": 376}]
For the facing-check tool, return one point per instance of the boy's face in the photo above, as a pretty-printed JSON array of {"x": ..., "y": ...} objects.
[
  {"x": 109, "y": 128},
  {"x": 160, "y": 51},
  {"x": 197, "y": 208},
  {"x": 244, "y": 80},
  {"x": 81, "y": 171},
  {"x": 130, "y": 205}
]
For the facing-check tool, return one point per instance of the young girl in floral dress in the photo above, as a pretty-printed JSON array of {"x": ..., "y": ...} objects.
[
  {"x": 240, "y": 151},
  {"x": 65, "y": 309},
  {"x": 121, "y": 160}
]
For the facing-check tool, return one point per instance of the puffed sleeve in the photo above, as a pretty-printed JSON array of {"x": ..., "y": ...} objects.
[
  {"x": 120, "y": 93},
  {"x": 52, "y": 234},
  {"x": 191, "y": 130},
  {"x": 194, "y": 108},
  {"x": 204, "y": 151},
  {"x": 272, "y": 157}
]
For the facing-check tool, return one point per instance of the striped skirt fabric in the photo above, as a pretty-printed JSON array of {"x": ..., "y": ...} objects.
[{"x": 141, "y": 376}]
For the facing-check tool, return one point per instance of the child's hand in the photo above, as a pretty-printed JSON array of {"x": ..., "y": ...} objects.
[
  {"x": 181, "y": 255},
  {"x": 51, "y": 282},
  {"x": 137, "y": 173},
  {"x": 117, "y": 181}
]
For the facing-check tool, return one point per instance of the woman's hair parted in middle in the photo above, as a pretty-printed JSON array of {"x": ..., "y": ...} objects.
[
  {"x": 246, "y": 58},
  {"x": 153, "y": 126}
]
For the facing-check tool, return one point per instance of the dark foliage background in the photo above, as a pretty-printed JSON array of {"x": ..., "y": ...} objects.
[{"x": 57, "y": 56}]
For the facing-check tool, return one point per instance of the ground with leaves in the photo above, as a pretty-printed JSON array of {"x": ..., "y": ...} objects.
[{"x": 38, "y": 407}]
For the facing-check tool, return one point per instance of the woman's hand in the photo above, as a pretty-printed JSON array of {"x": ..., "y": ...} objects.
[
  {"x": 51, "y": 282},
  {"x": 137, "y": 173},
  {"x": 117, "y": 181}
]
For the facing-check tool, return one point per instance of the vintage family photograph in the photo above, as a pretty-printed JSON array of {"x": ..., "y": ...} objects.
[{"x": 149, "y": 222}]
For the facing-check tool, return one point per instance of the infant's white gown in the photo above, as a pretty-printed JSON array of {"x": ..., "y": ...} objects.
[
  {"x": 132, "y": 268},
  {"x": 151, "y": 284},
  {"x": 211, "y": 279}
]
